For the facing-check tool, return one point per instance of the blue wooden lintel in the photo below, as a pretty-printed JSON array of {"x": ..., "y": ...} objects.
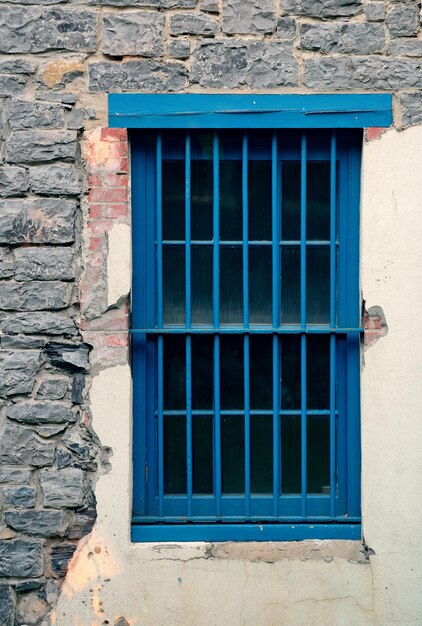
[{"x": 249, "y": 111}]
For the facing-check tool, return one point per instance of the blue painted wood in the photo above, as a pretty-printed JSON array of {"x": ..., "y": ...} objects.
[
  {"x": 249, "y": 111},
  {"x": 333, "y": 307},
  {"x": 244, "y": 532}
]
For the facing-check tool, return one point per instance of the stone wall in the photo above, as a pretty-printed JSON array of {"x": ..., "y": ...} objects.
[{"x": 64, "y": 212}]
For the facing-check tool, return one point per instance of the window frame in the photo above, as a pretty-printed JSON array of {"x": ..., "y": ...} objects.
[{"x": 143, "y": 313}]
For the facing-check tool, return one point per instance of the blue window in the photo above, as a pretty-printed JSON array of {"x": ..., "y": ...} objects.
[{"x": 246, "y": 332}]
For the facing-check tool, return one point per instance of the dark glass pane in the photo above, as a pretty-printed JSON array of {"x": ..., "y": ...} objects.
[
  {"x": 202, "y": 459},
  {"x": 202, "y": 371},
  {"x": 174, "y": 373},
  {"x": 175, "y": 455},
  {"x": 232, "y": 454},
  {"x": 260, "y": 285},
  {"x": 290, "y": 454},
  {"x": 230, "y": 200},
  {"x": 174, "y": 284},
  {"x": 231, "y": 288},
  {"x": 318, "y": 371},
  {"x": 261, "y": 372},
  {"x": 231, "y": 372},
  {"x": 318, "y": 200},
  {"x": 173, "y": 200},
  {"x": 318, "y": 454},
  {"x": 201, "y": 200},
  {"x": 290, "y": 285},
  {"x": 318, "y": 285},
  {"x": 261, "y": 454},
  {"x": 259, "y": 200},
  {"x": 201, "y": 281},
  {"x": 290, "y": 196},
  {"x": 290, "y": 372}
]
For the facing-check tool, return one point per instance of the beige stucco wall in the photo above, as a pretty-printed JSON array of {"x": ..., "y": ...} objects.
[{"x": 320, "y": 583}]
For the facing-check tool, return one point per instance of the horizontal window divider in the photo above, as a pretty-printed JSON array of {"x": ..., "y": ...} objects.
[
  {"x": 237, "y": 330},
  {"x": 235, "y": 242},
  {"x": 169, "y": 519},
  {"x": 208, "y": 412}
]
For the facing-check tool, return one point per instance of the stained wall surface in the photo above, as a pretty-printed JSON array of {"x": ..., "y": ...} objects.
[{"x": 65, "y": 388}]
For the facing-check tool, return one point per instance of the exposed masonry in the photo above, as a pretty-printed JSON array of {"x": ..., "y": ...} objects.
[{"x": 64, "y": 187}]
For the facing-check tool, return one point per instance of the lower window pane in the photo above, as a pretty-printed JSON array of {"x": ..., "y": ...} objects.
[
  {"x": 175, "y": 455},
  {"x": 290, "y": 454},
  {"x": 261, "y": 454},
  {"x": 232, "y": 454},
  {"x": 202, "y": 457},
  {"x": 318, "y": 457}
]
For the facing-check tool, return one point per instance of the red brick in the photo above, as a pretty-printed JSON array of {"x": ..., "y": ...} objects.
[
  {"x": 113, "y": 134},
  {"x": 100, "y": 226},
  {"x": 374, "y": 133},
  {"x": 111, "y": 194}
]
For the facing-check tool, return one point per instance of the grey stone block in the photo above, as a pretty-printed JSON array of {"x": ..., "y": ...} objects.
[
  {"x": 39, "y": 523},
  {"x": 81, "y": 524},
  {"x": 13, "y": 342},
  {"x": 63, "y": 458},
  {"x": 242, "y": 17},
  {"x": 20, "y": 446},
  {"x": 31, "y": 608},
  {"x": 62, "y": 488},
  {"x": 60, "y": 557},
  {"x": 42, "y": 263},
  {"x": 405, "y": 47},
  {"x": 153, "y": 4},
  {"x": 50, "y": 431},
  {"x": 19, "y": 369},
  {"x": 13, "y": 476},
  {"x": 403, "y": 20},
  {"x": 7, "y": 263},
  {"x": 411, "y": 104},
  {"x": 362, "y": 73},
  {"x": 37, "y": 221},
  {"x": 12, "y": 85},
  {"x": 41, "y": 413},
  {"x": 29, "y": 585},
  {"x": 346, "y": 38},
  {"x": 7, "y": 606},
  {"x": 21, "y": 558},
  {"x": 14, "y": 180},
  {"x": 323, "y": 9},
  {"x": 55, "y": 180},
  {"x": 179, "y": 48},
  {"x": 286, "y": 28},
  {"x": 23, "y": 115},
  {"x": 375, "y": 11},
  {"x": 35, "y": 29},
  {"x": 137, "y": 33},
  {"x": 77, "y": 118},
  {"x": 22, "y": 496},
  {"x": 78, "y": 385},
  {"x": 33, "y": 146},
  {"x": 18, "y": 66},
  {"x": 192, "y": 24},
  {"x": 34, "y": 296},
  {"x": 70, "y": 357},
  {"x": 40, "y": 322},
  {"x": 256, "y": 64},
  {"x": 145, "y": 75},
  {"x": 53, "y": 389},
  {"x": 209, "y": 6}
]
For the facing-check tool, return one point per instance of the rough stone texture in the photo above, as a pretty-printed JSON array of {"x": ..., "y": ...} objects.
[
  {"x": 21, "y": 557},
  {"x": 19, "y": 369},
  {"x": 179, "y": 49},
  {"x": 403, "y": 20},
  {"x": 33, "y": 146},
  {"x": 20, "y": 446},
  {"x": 12, "y": 85},
  {"x": 412, "y": 108},
  {"x": 21, "y": 341},
  {"x": 41, "y": 413},
  {"x": 324, "y": 9},
  {"x": 34, "y": 296},
  {"x": 14, "y": 181},
  {"x": 18, "y": 66},
  {"x": 209, "y": 6},
  {"x": 7, "y": 263},
  {"x": 375, "y": 11},
  {"x": 159, "y": 4},
  {"x": 21, "y": 496},
  {"x": 62, "y": 488},
  {"x": 192, "y": 24},
  {"x": 7, "y": 608},
  {"x": 248, "y": 16},
  {"x": 286, "y": 28},
  {"x": 405, "y": 47},
  {"x": 23, "y": 115},
  {"x": 136, "y": 33},
  {"x": 145, "y": 75},
  {"x": 13, "y": 476},
  {"x": 343, "y": 37},
  {"x": 49, "y": 263},
  {"x": 68, "y": 356},
  {"x": 60, "y": 557},
  {"x": 362, "y": 73},
  {"x": 31, "y": 608},
  {"x": 40, "y": 322},
  {"x": 53, "y": 389},
  {"x": 43, "y": 220},
  {"x": 34, "y": 29},
  {"x": 258, "y": 65},
  {"x": 36, "y": 523}
]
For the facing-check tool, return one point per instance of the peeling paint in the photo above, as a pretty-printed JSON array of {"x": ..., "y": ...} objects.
[{"x": 375, "y": 325}]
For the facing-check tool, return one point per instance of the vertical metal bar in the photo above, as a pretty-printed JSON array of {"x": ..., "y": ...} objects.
[
  {"x": 276, "y": 278},
  {"x": 333, "y": 229},
  {"x": 188, "y": 321},
  {"x": 246, "y": 359},
  {"x": 216, "y": 323},
  {"x": 159, "y": 230},
  {"x": 303, "y": 367},
  {"x": 189, "y": 421}
]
